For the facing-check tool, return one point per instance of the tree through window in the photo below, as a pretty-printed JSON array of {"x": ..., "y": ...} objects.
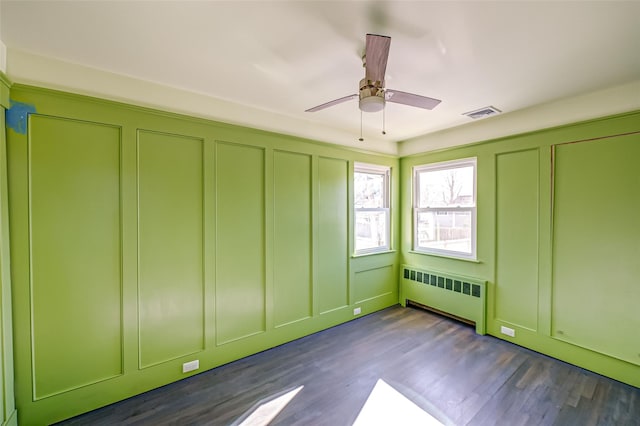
[{"x": 445, "y": 208}]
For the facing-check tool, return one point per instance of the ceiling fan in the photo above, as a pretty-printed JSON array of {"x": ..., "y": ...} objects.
[{"x": 373, "y": 95}]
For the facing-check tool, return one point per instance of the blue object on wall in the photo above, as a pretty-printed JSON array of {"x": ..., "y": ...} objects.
[{"x": 17, "y": 114}]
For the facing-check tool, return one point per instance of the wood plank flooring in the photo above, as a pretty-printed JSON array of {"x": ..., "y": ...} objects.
[{"x": 439, "y": 364}]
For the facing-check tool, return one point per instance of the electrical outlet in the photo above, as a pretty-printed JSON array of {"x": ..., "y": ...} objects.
[
  {"x": 190, "y": 366},
  {"x": 507, "y": 331},
  {"x": 356, "y": 311}
]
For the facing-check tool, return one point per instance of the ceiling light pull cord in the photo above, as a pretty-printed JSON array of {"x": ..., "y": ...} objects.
[
  {"x": 383, "y": 120},
  {"x": 361, "y": 139}
]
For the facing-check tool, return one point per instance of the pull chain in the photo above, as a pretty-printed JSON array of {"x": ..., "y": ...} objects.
[
  {"x": 383, "y": 131},
  {"x": 361, "y": 139}
]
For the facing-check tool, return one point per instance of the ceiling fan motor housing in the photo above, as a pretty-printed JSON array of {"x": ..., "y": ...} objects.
[{"x": 371, "y": 95}]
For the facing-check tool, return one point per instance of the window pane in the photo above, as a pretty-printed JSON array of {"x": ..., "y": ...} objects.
[
  {"x": 371, "y": 229},
  {"x": 449, "y": 187},
  {"x": 369, "y": 190},
  {"x": 445, "y": 230}
]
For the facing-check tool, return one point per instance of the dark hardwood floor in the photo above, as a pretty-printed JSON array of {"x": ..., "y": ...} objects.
[{"x": 439, "y": 364}]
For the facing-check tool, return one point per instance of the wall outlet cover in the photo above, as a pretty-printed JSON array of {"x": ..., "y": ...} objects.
[
  {"x": 507, "y": 331},
  {"x": 190, "y": 366},
  {"x": 357, "y": 311}
]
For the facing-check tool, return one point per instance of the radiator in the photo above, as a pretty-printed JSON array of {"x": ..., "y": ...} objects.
[{"x": 457, "y": 296}]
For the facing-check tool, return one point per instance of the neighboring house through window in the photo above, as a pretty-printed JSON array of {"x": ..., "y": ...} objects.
[
  {"x": 371, "y": 202},
  {"x": 444, "y": 211}
]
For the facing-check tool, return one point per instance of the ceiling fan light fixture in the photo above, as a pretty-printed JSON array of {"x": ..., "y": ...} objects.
[
  {"x": 372, "y": 94},
  {"x": 372, "y": 104}
]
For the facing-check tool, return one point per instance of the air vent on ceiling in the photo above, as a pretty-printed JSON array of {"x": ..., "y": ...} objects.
[{"x": 483, "y": 112}]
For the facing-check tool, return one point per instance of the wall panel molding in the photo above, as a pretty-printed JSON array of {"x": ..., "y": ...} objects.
[
  {"x": 240, "y": 241},
  {"x": 292, "y": 245},
  {"x": 517, "y": 244},
  {"x": 595, "y": 246},
  {"x": 228, "y": 240},
  {"x": 75, "y": 254},
  {"x": 171, "y": 291},
  {"x": 332, "y": 239},
  {"x": 8, "y": 414}
]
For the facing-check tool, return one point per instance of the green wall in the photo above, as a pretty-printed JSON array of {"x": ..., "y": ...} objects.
[
  {"x": 8, "y": 413},
  {"x": 142, "y": 240},
  {"x": 558, "y": 240}
]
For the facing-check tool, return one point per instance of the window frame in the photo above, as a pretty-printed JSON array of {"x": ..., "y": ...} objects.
[
  {"x": 417, "y": 210},
  {"x": 374, "y": 169}
]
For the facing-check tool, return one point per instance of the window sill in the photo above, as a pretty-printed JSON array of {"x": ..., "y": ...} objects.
[
  {"x": 444, "y": 256},
  {"x": 372, "y": 253}
]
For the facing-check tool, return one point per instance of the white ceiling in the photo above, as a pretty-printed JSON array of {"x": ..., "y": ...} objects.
[{"x": 283, "y": 57}]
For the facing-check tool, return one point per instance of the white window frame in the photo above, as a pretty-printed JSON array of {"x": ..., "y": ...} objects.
[
  {"x": 385, "y": 171},
  {"x": 446, "y": 165}
]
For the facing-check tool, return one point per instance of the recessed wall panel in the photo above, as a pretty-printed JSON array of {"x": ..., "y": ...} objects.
[
  {"x": 170, "y": 246},
  {"x": 596, "y": 246},
  {"x": 292, "y": 237},
  {"x": 516, "y": 287},
  {"x": 333, "y": 291},
  {"x": 374, "y": 283},
  {"x": 75, "y": 245},
  {"x": 240, "y": 241}
]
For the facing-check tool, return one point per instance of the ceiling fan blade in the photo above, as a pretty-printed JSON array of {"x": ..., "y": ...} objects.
[
  {"x": 410, "y": 99},
  {"x": 376, "y": 55},
  {"x": 331, "y": 103}
]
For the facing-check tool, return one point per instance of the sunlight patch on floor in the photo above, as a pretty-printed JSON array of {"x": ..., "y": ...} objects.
[
  {"x": 267, "y": 411},
  {"x": 387, "y": 406}
]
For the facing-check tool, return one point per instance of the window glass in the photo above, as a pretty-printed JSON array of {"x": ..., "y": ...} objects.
[
  {"x": 445, "y": 230},
  {"x": 369, "y": 190},
  {"x": 371, "y": 208},
  {"x": 371, "y": 230},
  {"x": 445, "y": 208},
  {"x": 447, "y": 187}
]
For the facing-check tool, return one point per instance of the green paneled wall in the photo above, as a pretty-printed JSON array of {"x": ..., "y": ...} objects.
[
  {"x": 8, "y": 414},
  {"x": 170, "y": 246},
  {"x": 292, "y": 251},
  {"x": 596, "y": 246},
  {"x": 75, "y": 256},
  {"x": 558, "y": 245},
  {"x": 142, "y": 240},
  {"x": 374, "y": 283},
  {"x": 240, "y": 239},
  {"x": 517, "y": 245},
  {"x": 333, "y": 291}
]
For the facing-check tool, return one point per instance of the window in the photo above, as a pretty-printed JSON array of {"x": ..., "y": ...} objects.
[
  {"x": 371, "y": 202},
  {"x": 445, "y": 208}
]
